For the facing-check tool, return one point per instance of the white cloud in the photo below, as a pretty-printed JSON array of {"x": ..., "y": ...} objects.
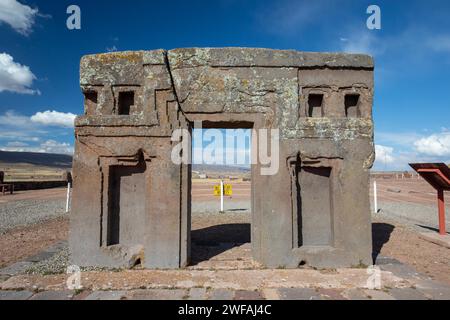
[
  {"x": 52, "y": 146},
  {"x": 362, "y": 42},
  {"x": 397, "y": 150},
  {"x": 384, "y": 155},
  {"x": 10, "y": 117},
  {"x": 19, "y": 16},
  {"x": 404, "y": 139},
  {"x": 440, "y": 43},
  {"x": 54, "y": 118},
  {"x": 434, "y": 145},
  {"x": 49, "y": 146},
  {"x": 16, "y": 144},
  {"x": 111, "y": 49},
  {"x": 20, "y": 133},
  {"x": 292, "y": 17},
  {"x": 15, "y": 77}
]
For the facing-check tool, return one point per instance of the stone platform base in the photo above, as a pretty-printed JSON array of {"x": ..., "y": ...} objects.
[{"x": 436, "y": 238}]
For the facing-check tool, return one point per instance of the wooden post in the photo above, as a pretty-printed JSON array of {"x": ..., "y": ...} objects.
[
  {"x": 68, "y": 197},
  {"x": 441, "y": 209},
  {"x": 221, "y": 196}
]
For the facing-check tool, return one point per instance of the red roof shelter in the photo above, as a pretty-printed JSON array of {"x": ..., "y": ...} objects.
[{"x": 438, "y": 175}]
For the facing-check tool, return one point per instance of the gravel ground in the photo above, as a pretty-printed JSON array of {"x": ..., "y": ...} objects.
[
  {"x": 56, "y": 264},
  {"x": 415, "y": 215},
  {"x": 214, "y": 206},
  {"x": 29, "y": 212},
  {"x": 204, "y": 225},
  {"x": 212, "y": 225}
]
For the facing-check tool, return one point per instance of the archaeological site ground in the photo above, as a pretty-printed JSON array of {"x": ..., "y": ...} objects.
[{"x": 225, "y": 159}]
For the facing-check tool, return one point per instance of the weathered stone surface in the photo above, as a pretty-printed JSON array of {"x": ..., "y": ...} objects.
[
  {"x": 433, "y": 289},
  {"x": 406, "y": 294},
  {"x": 157, "y": 294},
  {"x": 15, "y": 295},
  {"x": 331, "y": 294},
  {"x": 107, "y": 295},
  {"x": 54, "y": 295},
  {"x": 197, "y": 294},
  {"x": 247, "y": 295},
  {"x": 355, "y": 294},
  {"x": 299, "y": 294},
  {"x": 378, "y": 295},
  {"x": 403, "y": 271},
  {"x": 436, "y": 293},
  {"x": 213, "y": 279},
  {"x": 221, "y": 294},
  {"x": 271, "y": 294},
  {"x": 16, "y": 268},
  {"x": 250, "y": 57},
  {"x": 129, "y": 194}
]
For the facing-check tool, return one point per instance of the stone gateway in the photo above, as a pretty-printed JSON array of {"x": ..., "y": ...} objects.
[{"x": 131, "y": 203}]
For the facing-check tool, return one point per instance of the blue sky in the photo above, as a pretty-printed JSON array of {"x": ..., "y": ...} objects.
[{"x": 39, "y": 59}]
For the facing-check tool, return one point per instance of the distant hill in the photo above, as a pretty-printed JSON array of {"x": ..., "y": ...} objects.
[
  {"x": 220, "y": 169},
  {"x": 63, "y": 161},
  {"x": 50, "y": 160}
]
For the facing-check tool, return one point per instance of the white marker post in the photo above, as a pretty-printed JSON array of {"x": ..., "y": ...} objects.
[
  {"x": 375, "y": 201},
  {"x": 221, "y": 196},
  {"x": 68, "y": 197}
]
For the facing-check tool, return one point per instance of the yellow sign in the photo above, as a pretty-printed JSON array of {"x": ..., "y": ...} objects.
[{"x": 228, "y": 190}]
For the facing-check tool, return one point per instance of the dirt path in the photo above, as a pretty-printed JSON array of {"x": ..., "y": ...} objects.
[
  {"x": 44, "y": 194},
  {"x": 23, "y": 242},
  {"x": 402, "y": 243},
  {"x": 212, "y": 232}
]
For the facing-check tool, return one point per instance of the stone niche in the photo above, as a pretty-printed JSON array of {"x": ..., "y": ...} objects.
[{"x": 131, "y": 203}]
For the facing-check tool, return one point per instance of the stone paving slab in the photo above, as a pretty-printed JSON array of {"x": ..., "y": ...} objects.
[
  {"x": 16, "y": 268},
  {"x": 15, "y": 295},
  {"x": 378, "y": 295},
  {"x": 271, "y": 294},
  {"x": 403, "y": 271},
  {"x": 433, "y": 290},
  {"x": 436, "y": 293},
  {"x": 214, "y": 279},
  {"x": 197, "y": 294},
  {"x": 221, "y": 294},
  {"x": 107, "y": 295},
  {"x": 299, "y": 294},
  {"x": 229, "y": 294},
  {"x": 247, "y": 295},
  {"x": 157, "y": 294},
  {"x": 407, "y": 294},
  {"x": 331, "y": 294},
  {"x": 41, "y": 256},
  {"x": 355, "y": 294},
  {"x": 381, "y": 260},
  {"x": 399, "y": 281},
  {"x": 54, "y": 295}
]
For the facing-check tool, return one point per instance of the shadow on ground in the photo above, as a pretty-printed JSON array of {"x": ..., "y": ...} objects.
[
  {"x": 429, "y": 228},
  {"x": 212, "y": 241},
  {"x": 381, "y": 233},
  {"x": 209, "y": 242}
]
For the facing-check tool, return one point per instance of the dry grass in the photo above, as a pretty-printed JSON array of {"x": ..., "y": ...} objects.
[{"x": 27, "y": 173}]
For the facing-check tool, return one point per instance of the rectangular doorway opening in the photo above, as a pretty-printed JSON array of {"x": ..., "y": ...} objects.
[
  {"x": 126, "y": 211},
  {"x": 312, "y": 204},
  {"x": 221, "y": 234}
]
